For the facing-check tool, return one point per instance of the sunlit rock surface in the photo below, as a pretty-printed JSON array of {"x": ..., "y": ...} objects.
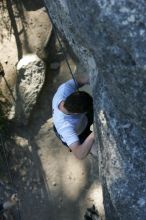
[
  {"x": 30, "y": 79},
  {"x": 111, "y": 36}
]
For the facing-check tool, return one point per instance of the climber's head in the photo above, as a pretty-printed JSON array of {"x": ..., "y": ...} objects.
[{"x": 78, "y": 102}]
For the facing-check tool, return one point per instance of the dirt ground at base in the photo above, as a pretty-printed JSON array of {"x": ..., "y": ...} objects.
[{"x": 51, "y": 183}]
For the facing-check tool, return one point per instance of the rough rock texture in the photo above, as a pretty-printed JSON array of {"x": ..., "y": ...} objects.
[
  {"x": 24, "y": 28},
  {"x": 30, "y": 79},
  {"x": 111, "y": 35}
]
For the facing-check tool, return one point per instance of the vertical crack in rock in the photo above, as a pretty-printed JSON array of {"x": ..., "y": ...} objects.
[{"x": 111, "y": 35}]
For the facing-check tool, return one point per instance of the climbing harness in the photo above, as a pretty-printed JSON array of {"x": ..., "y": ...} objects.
[{"x": 62, "y": 48}]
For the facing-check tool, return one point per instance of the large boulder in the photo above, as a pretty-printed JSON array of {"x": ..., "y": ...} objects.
[
  {"x": 24, "y": 28},
  {"x": 30, "y": 79},
  {"x": 111, "y": 36}
]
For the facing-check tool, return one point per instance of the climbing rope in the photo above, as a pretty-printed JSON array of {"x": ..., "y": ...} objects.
[
  {"x": 65, "y": 57},
  {"x": 9, "y": 89},
  {"x": 62, "y": 48},
  {"x": 3, "y": 75}
]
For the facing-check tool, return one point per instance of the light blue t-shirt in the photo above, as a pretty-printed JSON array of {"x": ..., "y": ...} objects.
[{"x": 67, "y": 126}]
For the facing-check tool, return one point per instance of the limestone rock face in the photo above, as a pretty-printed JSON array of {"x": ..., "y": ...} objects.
[
  {"x": 30, "y": 79},
  {"x": 109, "y": 39}
]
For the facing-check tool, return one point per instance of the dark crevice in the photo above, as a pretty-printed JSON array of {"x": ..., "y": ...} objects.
[{"x": 15, "y": 29}]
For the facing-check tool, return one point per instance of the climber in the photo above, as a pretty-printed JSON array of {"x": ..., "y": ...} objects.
[{"x": 72, "y": 117}]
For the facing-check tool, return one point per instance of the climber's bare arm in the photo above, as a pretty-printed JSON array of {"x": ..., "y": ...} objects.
[
  {"x": 82, "y": 79},
  {"x": 82, "y": 150}
]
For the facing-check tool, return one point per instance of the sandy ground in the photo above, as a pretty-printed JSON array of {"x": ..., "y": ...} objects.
[{"x": 52, "y": 184}]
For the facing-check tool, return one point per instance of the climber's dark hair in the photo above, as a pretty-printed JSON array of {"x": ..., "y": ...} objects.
[{"x": 78, "y": 102}]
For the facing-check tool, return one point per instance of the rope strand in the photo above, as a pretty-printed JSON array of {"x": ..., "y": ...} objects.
[{"x": 64, "y": 54}]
